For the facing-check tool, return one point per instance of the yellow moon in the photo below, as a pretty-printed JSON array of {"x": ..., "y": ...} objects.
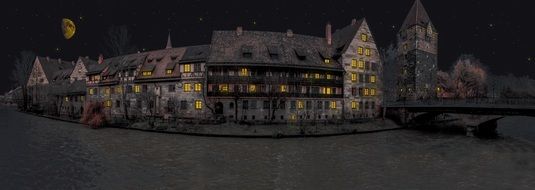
[{"x": 68, "y": 28}]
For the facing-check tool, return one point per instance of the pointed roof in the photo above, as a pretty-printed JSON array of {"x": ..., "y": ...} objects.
[
  {"x": 417, "y": 16},
  {"x": 169, "y": 45},
  {"x": 342, "y": 38}
]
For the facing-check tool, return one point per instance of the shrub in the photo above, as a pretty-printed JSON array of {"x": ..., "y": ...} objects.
[{"x": 93, "y": 115}]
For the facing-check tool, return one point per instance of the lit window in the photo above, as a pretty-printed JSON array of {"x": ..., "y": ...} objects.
[
  {"x": 284, "y": 88},
  {"x": 119, "y": 89},
  {"x": 300, "y": 104},
  {"x": 368, "y": 52},
  {"x": 244, "y": 72},
  {"x": 107, "y": 103},
  {"x": 223, "y": 87},
  {"x": 366, "y": 92},
  {"x": 317, "y": 75},
  {"x": 198, "y": 104},
  {"x": 364, "y": 37},
  {"x": 187, "y": 87},
  {"x": 333, "y": 105},
  {"x": 306, "y": 75},
  {"x": 360, "y": 50},
  {"x": 372, "y": 92},
  {"x": 354, "y": 105},
  {"x": 361, "y": 64},
  {"x": 169, "y": 71},
  {"x": 66, "y": 98},
  {"x": 372, "y": 78},
  {"x": 187, "y": 68},
  {"x": 198, "y": 87},
  {"x": 91, "y": 91},
  {"x": 327, "y": 61},
  {"x": 354, "y": 77},
  {"x": 328, "y": 90},
  {"x": 354, "y": 63},
  {"x": 438, "y": 89},
  {"x": 137, "y": 88},
  {"x": 293, "y": 117},
  {"x": 329, "y": 77},
  {"x": 252, "y": 88},
  {"x": 146, "y": 73}
]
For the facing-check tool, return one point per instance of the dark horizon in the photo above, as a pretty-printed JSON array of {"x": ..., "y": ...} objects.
[{"x": 494, "y": 32}]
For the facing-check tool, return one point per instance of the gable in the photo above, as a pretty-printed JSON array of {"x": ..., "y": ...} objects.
[
  {"x": 37, "y": 75},
  {"x": 78, "y": 72}
]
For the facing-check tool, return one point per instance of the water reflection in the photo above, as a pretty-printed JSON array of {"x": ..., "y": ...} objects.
[{"x": 47, "y": 154}]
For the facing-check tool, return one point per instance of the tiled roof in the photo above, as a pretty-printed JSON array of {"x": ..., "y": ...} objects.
[
  {"x": 55, "y": 67},
  {"x": 417, "y": 16},
  {"x": 196, "y": 53},
  {"x": 270, "y": 48},
  {"x": 159, "y": 61},
  {"x": 343, "y": 37}
]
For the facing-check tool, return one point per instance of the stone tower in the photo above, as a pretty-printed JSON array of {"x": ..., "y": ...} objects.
[{"x": 417, "y": 54}]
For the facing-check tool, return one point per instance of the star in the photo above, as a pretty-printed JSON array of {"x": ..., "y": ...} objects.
[
  {"x": 529, "y": 59},
  {"x": 200, "y": 19},
  {"x": 254, "y": 22},
  {"x": 81, "y": 18},
  {"x": 57, "y": 49}
]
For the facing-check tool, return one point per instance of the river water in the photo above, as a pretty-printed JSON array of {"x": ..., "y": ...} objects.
[{"x": 38, "y": 153}]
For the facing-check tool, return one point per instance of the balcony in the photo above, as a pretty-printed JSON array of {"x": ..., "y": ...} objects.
[
  {"x": 264, "y": 94},
  {"x": 274, "y": 80}
]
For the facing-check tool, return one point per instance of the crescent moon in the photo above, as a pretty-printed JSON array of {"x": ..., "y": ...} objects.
[{"x": 68, "y": 28}]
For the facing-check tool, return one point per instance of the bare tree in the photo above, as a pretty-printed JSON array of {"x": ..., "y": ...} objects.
[
  {"x": 118, "y": 41},
  {"x": 21, "y": 74},
  {"x": 390, "y": 72},
  {"x": 469, "y": 77}
]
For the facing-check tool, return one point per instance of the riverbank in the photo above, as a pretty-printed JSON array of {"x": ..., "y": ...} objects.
[{"x": 255, "y": 131}]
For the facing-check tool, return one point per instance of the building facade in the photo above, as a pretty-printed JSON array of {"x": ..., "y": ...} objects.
[{"x": 417, "y": 54}]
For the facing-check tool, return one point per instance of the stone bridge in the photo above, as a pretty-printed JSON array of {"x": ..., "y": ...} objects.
[{"x": 476, "y": 115}]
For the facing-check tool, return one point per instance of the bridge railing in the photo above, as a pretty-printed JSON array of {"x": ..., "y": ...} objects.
[{"x": 522, "y": 102}]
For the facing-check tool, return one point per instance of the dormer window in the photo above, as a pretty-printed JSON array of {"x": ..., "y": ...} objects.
[
  {"x": 187, "y": 68},
  {"x": 247, "y": 51},
  {"x": 300, "y": 55},
  {"x": 146, "y": 73},
  {"x": 327, "y": 61},
  {"x": 169, "y": 71},
  {"x": 273, "y": 52},
  {"x": 360, "y": 50},
  {"x": 244, "y": 72}
]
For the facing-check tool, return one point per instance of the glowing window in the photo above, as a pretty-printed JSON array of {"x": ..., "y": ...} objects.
[
  {"x": 306, "y": 75},
  {"x": 360, "y": 50},
  {"x": 91, "y": 91},
  {"x": 146, "y": 73},
  {"x": 317, "y": 75},
  {"x": 252, "y": 88},
  {"x": 119, "y": 89},
  {"x": 198, "y": 87},
  {"x": 354, "y": 77},
  {"x": 361, "y": 64},
  {"x": 187, "y": 68},
  {"x": 333, "y": 105},
  {"x": 198, "y": 104},
  {"x": 169, "y": 71},
  {"x": 244, "y": 72},
  {"x": 187, "y": 87},
  {"x": 354, "y": 63},
  {"x": 364, "y": 37},
  {"x": 107, "y": 103},
  {"x": 223, "y": 87},
  {"x": 300, "y": 104},
  {"x": 137, "y": 88},
  {"x": 373, "y": 78},
  {"x": 330, "y": 77},
  {"x": 66, "y": 98},
  {"x": 373, "y": 92},
  {"x": 366, "y": 92},
  {"x": 284, "y": 88},
  {"x": 354, "y": 105},
  {"x": 327, "y": 61},
  {"x": 368, "y": 52},
  {"x": 328, "y": 90}
]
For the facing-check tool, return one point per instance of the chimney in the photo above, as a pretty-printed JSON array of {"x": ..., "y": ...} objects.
[
  {"x": 100, "y": 59},
  {"x": 328, "y": 34},
  {"x": 353, "y": 22},
  {"x": 289, "y": 33},
  {"x": 239, "y": 30}
]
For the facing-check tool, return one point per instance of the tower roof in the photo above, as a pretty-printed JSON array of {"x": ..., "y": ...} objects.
[
  {"x": 417, "y": 16},
  {"x": 169, "y": 45}
]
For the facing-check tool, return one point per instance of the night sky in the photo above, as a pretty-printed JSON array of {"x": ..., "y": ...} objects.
[{"x": 499, "y": 33}]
